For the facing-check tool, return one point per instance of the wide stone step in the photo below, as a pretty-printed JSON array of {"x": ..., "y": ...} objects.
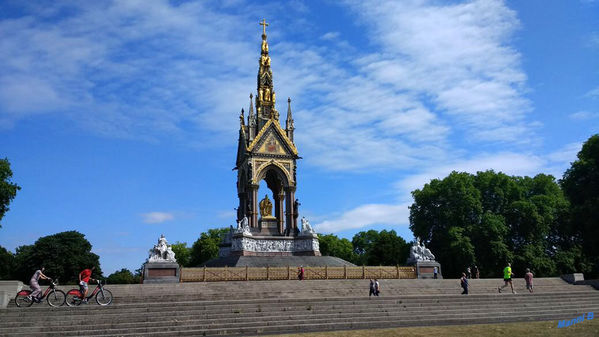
[
  {"x": 315, "y": 322},
  {"x": 214, "y": 305},
  {"x": 124, "y": 320}
]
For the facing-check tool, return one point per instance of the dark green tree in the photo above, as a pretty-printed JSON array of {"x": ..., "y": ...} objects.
[
  {"x": 206, "y": 247},
  {"x": 490, "y": 219},
  {"x": 7, "y": 264},
  {"x": 123, "y": 276},
  {"x": 331, "y": 245},
  {"x": 580, "y": 184},
  {"x": 182, "y": 253},
  {"x": 363, "y": 242},
  {"x": 386, "y": 248},
  {"x": 64, "y": 255},
  {"x": 8, "y": 189},
  {"x": 443, "y": 215}
]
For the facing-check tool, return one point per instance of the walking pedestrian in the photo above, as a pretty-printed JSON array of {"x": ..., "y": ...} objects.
[
  {"x": 468, "y": 273},
  {"x": 528, "y": 278},
  {"x": 435, "y": 272},
  {"x": 476, "y": 272},
  {"x": 507, "y": 278},
  {"x": 464, "y": 284},
  {"x": 377, "y": 287},
  {"x": 300, "y": 273},
  {"x": 371, "y": 288}
]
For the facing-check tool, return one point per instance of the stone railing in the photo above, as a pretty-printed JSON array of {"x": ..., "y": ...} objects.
[{"x": 206, "y": 274}]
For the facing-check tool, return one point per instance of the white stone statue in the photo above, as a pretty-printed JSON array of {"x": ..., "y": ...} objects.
[
  {"x": 243, "y": 226},
  {"x": 306, "y": 227},
  {"x": 418, "y": 252},
  {"x": 162, "y": 252}
]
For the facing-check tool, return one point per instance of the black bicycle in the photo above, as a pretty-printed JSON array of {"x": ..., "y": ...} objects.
[
  {"x": 103, "y": 296},
  {"x": 54, "y": 297}
]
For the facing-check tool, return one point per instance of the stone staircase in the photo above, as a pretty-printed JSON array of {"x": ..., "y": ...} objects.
[{"x": 267, "y": 307}]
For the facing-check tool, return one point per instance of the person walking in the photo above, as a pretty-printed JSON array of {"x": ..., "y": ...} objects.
[
  {"x": 468, "y": 273},
  {"x": 377, "y": 287},
  {"x": 476, "y": 272},
  {"x": 34, "y": 284},
  {"x": 435, "y": 272},
  {"x": 464, "y": 284},
  {"x": 371, "y": 288},
  {"x": 300, "y": 273},
  {"x": 528, "y": 278},
  {"x": 507, "y": 278}
]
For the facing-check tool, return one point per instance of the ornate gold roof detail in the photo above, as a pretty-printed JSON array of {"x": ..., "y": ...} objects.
[{"x": 281, "y": 133}]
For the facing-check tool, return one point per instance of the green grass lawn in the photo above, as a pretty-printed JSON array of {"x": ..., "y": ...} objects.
[{"x": 545, "y": 328}]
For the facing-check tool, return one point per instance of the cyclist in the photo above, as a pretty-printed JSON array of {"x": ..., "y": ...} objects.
[
  {"x": 84, "y": 278},
  {"x": 33, "y": 283}
]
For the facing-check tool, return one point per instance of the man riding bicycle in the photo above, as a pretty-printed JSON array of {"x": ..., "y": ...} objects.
[
  {"x": 84, "y": 278},
  {"x": 33, "y": 283}
]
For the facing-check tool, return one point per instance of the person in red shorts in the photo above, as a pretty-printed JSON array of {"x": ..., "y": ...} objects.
[{"x": 84, "y": 278}]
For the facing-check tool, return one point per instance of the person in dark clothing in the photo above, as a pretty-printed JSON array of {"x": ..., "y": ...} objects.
[
  {"x": 371, "y": 288},
  {"x": 464, "y": 284}
]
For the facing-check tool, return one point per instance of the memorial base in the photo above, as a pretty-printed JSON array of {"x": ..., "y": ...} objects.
[
  {"x": 425, "y": 269},
  {"x": 161, "y": 272}
]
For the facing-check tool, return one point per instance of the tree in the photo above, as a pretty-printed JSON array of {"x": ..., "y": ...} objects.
[
  {"x": 123, "y": 276},
  {"x": 331, "y": 245},
  {"x": 7, "y": 263},
  {"x": 206, "y": 247},
  {"x": 8, "y": 189},
  {"x": 385, "y": 248},
  {"x": 182, "y": 253},
  {"x": 580, "y": 184},
  {"x": 490, "y": 219},
  {"x": 64, "y": 255}
]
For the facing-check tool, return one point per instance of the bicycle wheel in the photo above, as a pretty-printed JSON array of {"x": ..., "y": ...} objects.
[
  {"x": 21, "y": 299},
  {"x": 56, "y": 298},
  {"x": 73, "y": 298},
  {"x": 104, "y": 297}
]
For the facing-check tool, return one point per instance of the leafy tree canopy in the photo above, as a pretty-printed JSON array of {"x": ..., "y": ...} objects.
[
  {"x": 490, "y": 219},
  {"x": 206, "y": 247},
  {"x": 182, "y": 253},
  {"x": 64, "y": 255},
  {"x": 123, "y": 276},
  {"x": 7, "y": 263},
  {"x": 581, "y": 186},
  {"x": 8, "y": 189}
]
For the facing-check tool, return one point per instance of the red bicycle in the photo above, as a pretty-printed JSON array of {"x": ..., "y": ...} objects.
[
  {"x": 54, "y": 297},
  {"x": 103, "y": 296}
]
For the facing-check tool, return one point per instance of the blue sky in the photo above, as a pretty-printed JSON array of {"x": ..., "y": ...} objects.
[{"x": 120, "y": 118}]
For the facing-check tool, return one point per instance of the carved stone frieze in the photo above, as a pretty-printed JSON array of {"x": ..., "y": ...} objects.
[{"x": 244, "y": 243}]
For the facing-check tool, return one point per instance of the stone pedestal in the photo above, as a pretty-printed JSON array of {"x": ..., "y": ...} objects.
[
  {"x": 425, "y": 269},
  {"x": 161, "y": 272},
  {"x": 268, "y": 226},
  {"x": 8, "y": 289}
]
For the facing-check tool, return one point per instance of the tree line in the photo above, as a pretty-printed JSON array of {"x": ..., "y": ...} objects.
[
  {"x": 490, "y": 219},
  {"x": 485, "y": 219}
]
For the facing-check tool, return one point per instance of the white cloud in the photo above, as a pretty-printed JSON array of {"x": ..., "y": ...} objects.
[
  {"x": 330, "y": 36},
  {"x": 593, "y": 93},
  {"x": 437, "y": 74},
  {"x": 584, "y": 115},
  {"x": 366, "y": 215},
  {"x": 157, "y": 217}
]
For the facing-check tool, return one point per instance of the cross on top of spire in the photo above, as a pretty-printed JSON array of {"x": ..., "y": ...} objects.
[{"x": 263, "y": 24}]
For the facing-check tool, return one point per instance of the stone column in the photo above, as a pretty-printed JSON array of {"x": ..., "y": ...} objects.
[
  {"x": 280, "y": 211},
  {"x": 255, "y": 209},
  {"x": 289, "y": 213}
]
